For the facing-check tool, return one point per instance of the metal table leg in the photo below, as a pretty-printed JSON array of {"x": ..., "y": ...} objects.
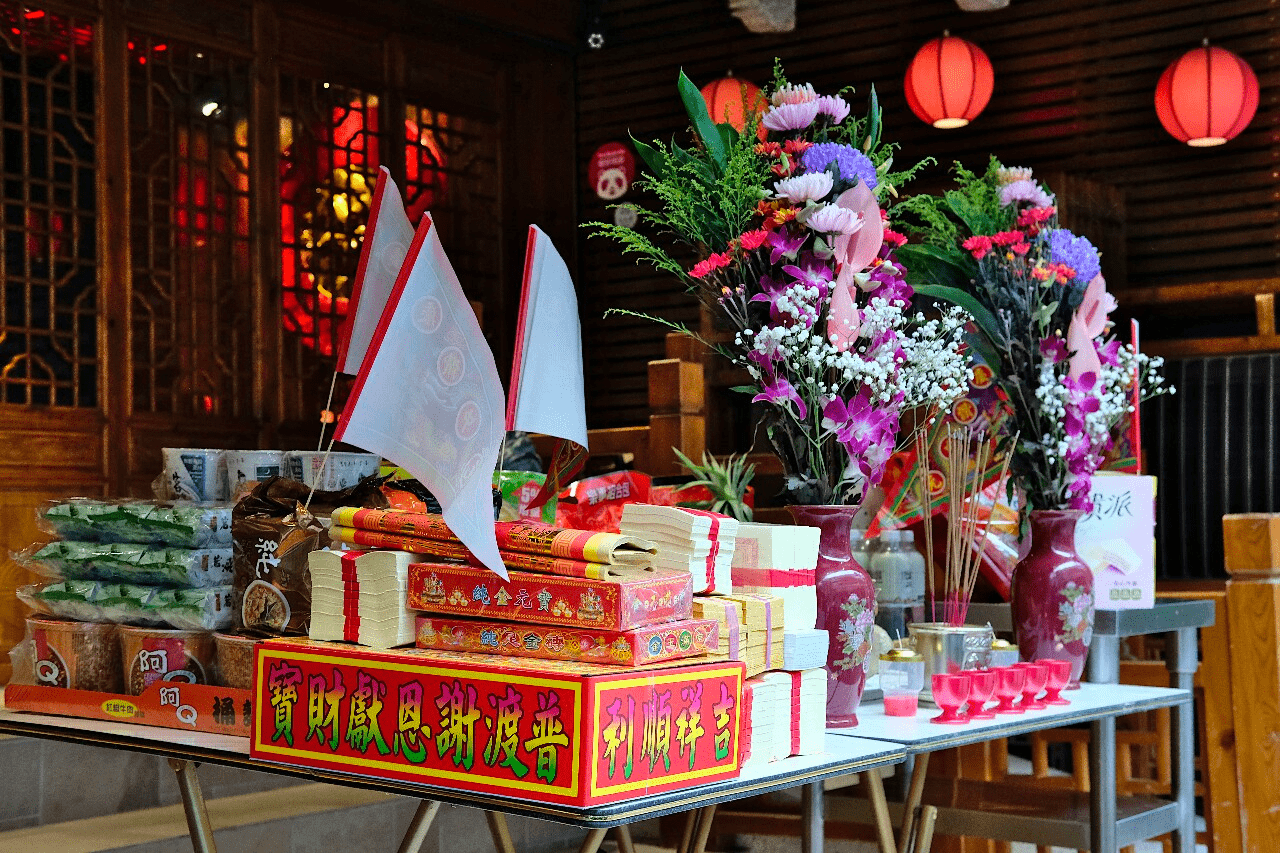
[
  {"x": 812, "y": 818},
  {"x": 1103, "y": 668},
  {"x": 1183, "y": 661},
  {"x": 198, "y": 826},
  {"x": 501, "y": 834},
  {"x": 419, "y": 826},
  {"x": 690, "y": 827}
]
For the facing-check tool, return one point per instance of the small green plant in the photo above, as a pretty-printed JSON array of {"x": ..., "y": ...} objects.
[{"x": 727, "y": 482}]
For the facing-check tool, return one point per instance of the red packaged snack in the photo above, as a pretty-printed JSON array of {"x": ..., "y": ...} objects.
[{"x": 596, "y": 503}]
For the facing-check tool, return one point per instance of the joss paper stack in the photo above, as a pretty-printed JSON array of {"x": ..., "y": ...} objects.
[
  {"x": 751, "y": 629},
  {"x": 359, "y": 596},
  {"x": 801, "y": 720},
  {"x": 691, "y": 540},
  {"x": 781, "y": 560},
  {"x": 761, "y": 701},
  {"x": 804, "y": 648}
]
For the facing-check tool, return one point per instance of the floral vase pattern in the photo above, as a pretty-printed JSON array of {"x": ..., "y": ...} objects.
[
  {"x": 846, "y": 609},
  {"x": 1052, "y": 593}
]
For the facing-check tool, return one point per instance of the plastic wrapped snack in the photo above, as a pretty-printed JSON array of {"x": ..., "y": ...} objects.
[
  {"x": 134, "y": 604},
  {"x": 126, "y": 561},
  {"x": 174, "y": 525}
]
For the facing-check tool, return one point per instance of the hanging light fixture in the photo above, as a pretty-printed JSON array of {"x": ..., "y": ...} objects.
[
  {"x": 1207, "y": 96},
  {"x": 949, "y": 82},
  {"x": 732, "y": 100}
]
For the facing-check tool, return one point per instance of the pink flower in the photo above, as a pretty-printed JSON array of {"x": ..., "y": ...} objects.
[
  {"x": 978, "y": 246},
  {"x": 700, "y": 269},
  {"x": 753, "y": 240},
  {"x": 780, "y": 392},
  {"x": 1025, "y": 190},
  {"x": 833, "y": 219},
  {"x": 784, "y": 246},
  {"x": 893, "y": 239},
  {"x": 1053, "y": 349},
  {"x": 794, "y": 94},
  {"x": 834, "y": 107},
  {"x": 791, "y": 116},
  {"x": 1008, "y": 238},
  {"x": 801, "y": 188},
  {"x": 844, "y": 322}
]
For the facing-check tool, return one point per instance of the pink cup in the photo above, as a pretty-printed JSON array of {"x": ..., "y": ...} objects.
[
  {"x": 984, "y": 687},
  {"x": 950, "y": 691},
  {"x": 1059, "y": 677},
  {"x": 1009, "y": 682},
  {"x": 1037, "y": 677}
]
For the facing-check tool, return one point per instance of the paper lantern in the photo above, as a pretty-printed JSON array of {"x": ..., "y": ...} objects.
[
  {"x": 731, "y": 101},
  {"x": 1207, "y": 96},
  {"x": 949, "y": 82}
]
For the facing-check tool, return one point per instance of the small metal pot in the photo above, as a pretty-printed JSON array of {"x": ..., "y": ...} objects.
[{"x": 947, "y": 648}]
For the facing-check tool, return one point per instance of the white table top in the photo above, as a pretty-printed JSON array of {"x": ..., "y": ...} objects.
[{"x": 1090, "y": 702}]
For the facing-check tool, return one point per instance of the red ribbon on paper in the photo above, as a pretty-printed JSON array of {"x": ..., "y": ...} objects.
[
  {"x": 795, "y": 711},
  {"x": 714, "y": 536},
  {"x": 785, "y": 578},
  {"x": 350, "y": 597}
]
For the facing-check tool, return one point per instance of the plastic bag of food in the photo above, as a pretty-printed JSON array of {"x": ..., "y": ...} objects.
[
  {"x": 518, "y": 489},
  {"x": 210, "y": 609},
  {"x": 596, "y": 503},
  {"x": 131, "y": 562},
  {"x": 174, "y": 525}
]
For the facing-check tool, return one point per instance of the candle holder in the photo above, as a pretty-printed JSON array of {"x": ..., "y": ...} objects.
[
  {"x": 901, "y": 680},
  {"x": 1037, "y": 677}
]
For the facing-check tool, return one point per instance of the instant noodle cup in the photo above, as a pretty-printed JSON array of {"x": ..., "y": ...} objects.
[
  {"x": 193, "y": 474},
  {"x": 340, "y": 471},
  {"x": 78, "y": 655},
  {"x": 252, "y": 466},
  {"x": 159, "y": 654},
  {"x": 235, "y": 660}
]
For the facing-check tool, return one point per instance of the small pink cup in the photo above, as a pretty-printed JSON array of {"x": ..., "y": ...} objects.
[
  {"x": 950, "y": 691},
  {"x": 984, "y": 686},
  {"x": 1037, "y": 677},
  {"x": 1009, "y": 682},
  {"x": 1059, "y": 676}
]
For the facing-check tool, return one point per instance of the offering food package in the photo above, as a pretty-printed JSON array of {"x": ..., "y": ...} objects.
[
  {"x": 613, "y": 603},
  {"x": 1117, "y": 538},
  {"x": 781, "y": 560},
  {"x": 518, "y": 489},
  {"x": 691, "y": 540},
  {"x": 235, "y": 660},
  {"x": 803, "y": 649},
  {"x": 191, "y": 474},
  {"x": 131, "y": 562},
  {"x": 558, "y": 731},
  {"x": 525, "y": 537},
  {"x": 69, "y": 655},
  {"x": 751, "y": 628},
  {"x": 688, "y": 638},
  {"x": 596, "y": 503},
  {"x": 457, "y": 551},
  {"x": 359, "y": 596},
  {"x": 173, "y": 525},
  {"x": 153, "y": 654},
  {"x": 96, "y": 601},
  {"x": 801, "y": 711}
]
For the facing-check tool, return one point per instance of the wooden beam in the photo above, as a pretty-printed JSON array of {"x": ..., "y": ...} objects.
[
  {"x": 1213, "y": 346},
  {"x": 1175, "y": 294},
  {"x": 1265, "y": 308},
  {"x": 1253, "y": 608}
]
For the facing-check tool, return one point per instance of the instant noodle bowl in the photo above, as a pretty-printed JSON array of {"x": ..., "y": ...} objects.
[
  {"x": 79, "y": 655},
  {"x": 157, "y": 654},
  {"x": 235, "y": 660}
]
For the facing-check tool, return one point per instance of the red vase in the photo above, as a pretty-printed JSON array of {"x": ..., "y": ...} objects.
[
  {"x": 846, "y": 609},
  {"x": 1052, "y": 593}
]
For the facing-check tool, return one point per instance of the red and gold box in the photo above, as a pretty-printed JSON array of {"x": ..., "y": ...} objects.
[
  {"x": 169, "y": 704},
  {"x": 688, "y": 638},
  {"x": 621, "y": 601},
  {"x": 555, "y": 731}
]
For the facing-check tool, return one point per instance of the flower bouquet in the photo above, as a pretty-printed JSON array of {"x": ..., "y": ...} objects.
[
  {"x": 788, "y": 250},
  {"x": 1040, "y": 304}
]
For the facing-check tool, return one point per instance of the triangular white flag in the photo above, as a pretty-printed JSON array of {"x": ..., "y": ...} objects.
[
  {"x": 386, "y": 240},
  {"x": 546, "y": 377},
  {"x": 428, "y": 396}
]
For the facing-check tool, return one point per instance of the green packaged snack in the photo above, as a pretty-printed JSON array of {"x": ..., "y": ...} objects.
[
  {"x": 518, "y": 489},
  {"x": 172, "y": 525}
]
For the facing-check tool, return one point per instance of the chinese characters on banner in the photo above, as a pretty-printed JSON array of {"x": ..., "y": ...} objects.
[{"x": 501, "y": 731}]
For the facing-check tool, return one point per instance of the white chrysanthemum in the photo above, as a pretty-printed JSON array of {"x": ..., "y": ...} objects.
[
  {"x": 794, "y": 94},
  {"x": 833, "y": 219},
  {"x": 801, "y": 188}
]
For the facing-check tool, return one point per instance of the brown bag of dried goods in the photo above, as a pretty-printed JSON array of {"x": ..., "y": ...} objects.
[{"x": 272, "y": 535}]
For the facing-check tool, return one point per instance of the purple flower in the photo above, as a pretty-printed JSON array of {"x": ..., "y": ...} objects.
[
  {"x": 1109, "y": 353},
  {"x": 1075, "y": 252},
  {"x": 833, "y": 106},
  {"x": 779, "y": 392},
  {"x": 784, "y": 246},
  {"x": 790, "y": 116},
  {"x": 811, "y": 275},
  {"x": 1054, "y": 349},
  {"x": 857, "y": 424},
  {"x": 1024, "y": 190},
  {"x": 852, "y": 163}
]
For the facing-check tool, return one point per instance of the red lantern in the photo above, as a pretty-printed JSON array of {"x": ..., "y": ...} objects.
[
  {"x": 732, "y": 101},
  {"x": 949, "y": 82},
  {"x": 1207, "y": 96}
]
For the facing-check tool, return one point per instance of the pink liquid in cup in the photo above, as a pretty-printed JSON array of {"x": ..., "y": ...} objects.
[
  {"x": 902, "y": 705},
  {"x": 1037, "y": 677},
  {"x": 1059, "y": 677},
  {"x": 984, "y": 687},
  {"x": 1009, "y": 682},
  {"x": 950, "y": 690}
]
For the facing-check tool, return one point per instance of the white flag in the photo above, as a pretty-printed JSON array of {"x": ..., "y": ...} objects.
[
  {"x": 386, "y": 240},
  {"x": 546, "y": 377},
  {"x": 428, "y": 396}
]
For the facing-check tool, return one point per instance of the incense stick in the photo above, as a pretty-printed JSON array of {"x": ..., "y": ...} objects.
[{"x": 922, "y": 486}]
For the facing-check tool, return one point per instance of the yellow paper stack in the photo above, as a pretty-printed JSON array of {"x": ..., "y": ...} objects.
[{"x": 751, "y": 628}]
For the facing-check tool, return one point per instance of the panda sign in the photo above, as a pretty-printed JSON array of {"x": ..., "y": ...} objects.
[{"x": 611, "y": 171}]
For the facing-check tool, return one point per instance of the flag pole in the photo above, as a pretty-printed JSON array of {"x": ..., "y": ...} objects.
[{"x": 326, "y": 417}]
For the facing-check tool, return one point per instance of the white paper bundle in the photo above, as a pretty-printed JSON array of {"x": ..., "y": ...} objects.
[
  {"x": 762, "y": 703},
  {"x": 779, "y": 559},
  {"x": 691, "y": 540},
  {"x": 803, "y": 649},
  {"x": 801, "y": 715},
  {"x": 359, "y": 596}
]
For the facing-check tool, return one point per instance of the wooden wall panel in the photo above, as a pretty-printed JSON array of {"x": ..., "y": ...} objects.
[{"x": 1073, "y": 96}]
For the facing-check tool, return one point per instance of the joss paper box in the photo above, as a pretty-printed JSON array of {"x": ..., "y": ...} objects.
[
  {"x": 547, "y": 731},
  {"x": 613, "y": 603},
  {"x": 687, "y": 638}
]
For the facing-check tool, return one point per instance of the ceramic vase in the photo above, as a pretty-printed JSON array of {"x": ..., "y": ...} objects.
[
  {"x": 1052, "y": 593},
  {"x": 846, "y": 609}
]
